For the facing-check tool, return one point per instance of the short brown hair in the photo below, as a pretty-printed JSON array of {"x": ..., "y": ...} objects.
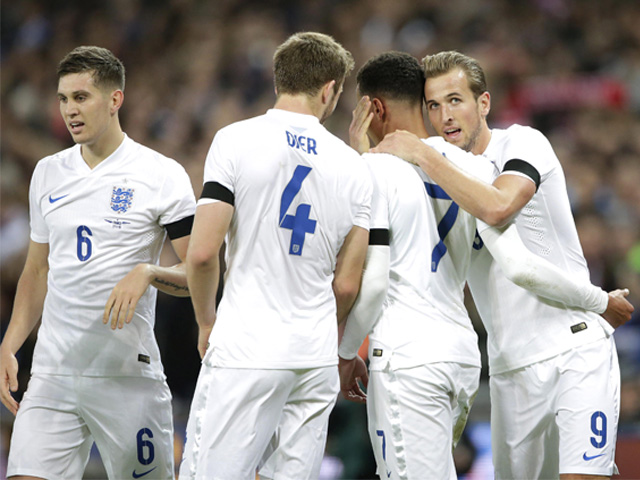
[
  {"x": 306, "y": 61},
  {"x": 107, "y": 70},
  {"x": 444, "y": 62}
]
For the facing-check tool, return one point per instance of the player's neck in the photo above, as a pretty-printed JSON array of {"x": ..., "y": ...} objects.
[
  {"x": 412, "y": 121},
  {"x": 483, "y": 141},
  {"x": 94, "y": 153},
  {"x": 298, "y": 104}
]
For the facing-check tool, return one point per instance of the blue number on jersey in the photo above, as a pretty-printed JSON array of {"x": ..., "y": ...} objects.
[
  {"x": 84, "y": 243},
  {"x": 146, "y": 453},
  {"x": 599, "y": 430},
  {"x": 477, "y": 242},
  {"x": 380, "y": 433},
  {"x": 445, "y": 225},
  {"x": 300, "y": 224}
]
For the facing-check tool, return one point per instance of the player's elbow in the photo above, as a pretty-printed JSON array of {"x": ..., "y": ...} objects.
[
  {"x": 496, "y": 216},
  {"x": 346, "y": 289},
  {"x": 520, "y": 274},
  {"x": 200, "y": 259}
]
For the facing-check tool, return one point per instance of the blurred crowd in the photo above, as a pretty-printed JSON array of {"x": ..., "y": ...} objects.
[{"x": 570, "y": 68}]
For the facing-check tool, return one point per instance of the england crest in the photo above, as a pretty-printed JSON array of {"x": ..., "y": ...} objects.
[{"x": 121, "y": 199}]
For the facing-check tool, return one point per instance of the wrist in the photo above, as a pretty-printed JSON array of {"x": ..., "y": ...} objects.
[{"x": 344, "y": 355}]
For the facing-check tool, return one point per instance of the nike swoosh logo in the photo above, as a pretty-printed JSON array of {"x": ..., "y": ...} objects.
[
  {"x": 587, "y": 458},
  {"x": 53, "y": 200},
  {"x": 138, "y": 475}
]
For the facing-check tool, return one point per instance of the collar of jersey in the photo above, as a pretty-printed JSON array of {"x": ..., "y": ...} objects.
[{"x": 293, "y": 117}]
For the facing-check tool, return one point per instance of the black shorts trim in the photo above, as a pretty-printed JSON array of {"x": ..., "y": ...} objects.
[{"x": 217, "y": 191}]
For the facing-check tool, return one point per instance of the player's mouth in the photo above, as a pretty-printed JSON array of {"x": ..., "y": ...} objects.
[
  {"x": 452, "y": 133},
  {"x": 75, "y": 127}
]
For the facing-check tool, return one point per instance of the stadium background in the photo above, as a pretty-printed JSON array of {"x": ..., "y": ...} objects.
[{"x": 570, "y": 68}]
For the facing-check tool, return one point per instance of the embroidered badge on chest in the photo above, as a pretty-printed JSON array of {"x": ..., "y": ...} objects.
[{"x": 121, "y": 199}]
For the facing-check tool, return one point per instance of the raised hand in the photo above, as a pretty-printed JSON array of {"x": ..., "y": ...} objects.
[{"x": 360, "y": 120}]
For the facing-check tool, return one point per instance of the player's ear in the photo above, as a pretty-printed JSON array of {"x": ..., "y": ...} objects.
[
  {"x": 484, "y": 104},
  {"x": 378, "y": 108},
  {"x": 117, "y": 99},
  {"x": 327, "y": 91}
]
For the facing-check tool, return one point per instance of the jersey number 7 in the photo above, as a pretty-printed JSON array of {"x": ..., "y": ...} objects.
[{"x": 444, "y": 226}]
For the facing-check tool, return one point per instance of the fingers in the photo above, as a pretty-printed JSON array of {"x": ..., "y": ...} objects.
[
  {"x": 8, "y": 401},
  {"x": 354, "y": 394},
  {"x": 9, "y": 383},
  {"x": 107, "y": 309},
  {"x": 119, "y": 311},
  {"x": 360, "y": 122}
]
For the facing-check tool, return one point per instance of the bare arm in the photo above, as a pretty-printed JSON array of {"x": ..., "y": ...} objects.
[
  {"x": 27, "y": 309},
  {"x": 210, "y": 226},
  {"x": 348, "y": 273},
  {"x": 495, "y": 204},
  {"x": 124, "y": 297},
  {"x": 173, "y": 280}
]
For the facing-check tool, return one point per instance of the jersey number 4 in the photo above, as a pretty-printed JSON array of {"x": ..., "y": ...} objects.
[{"x": 300, "y": 223}]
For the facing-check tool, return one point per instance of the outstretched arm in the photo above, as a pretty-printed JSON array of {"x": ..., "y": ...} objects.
[
  {"x": 495, "y": 204},
  {"x": 27, "y": 309},
  {"x": 124, "y": 297},
  {"x": 541, "y": 277}
]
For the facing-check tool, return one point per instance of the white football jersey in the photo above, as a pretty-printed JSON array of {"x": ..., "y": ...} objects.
[
  {"x": 424, "y": 318},
  {"x": 99, "y": 224},
  {"x": 297, "y": 191},
  {"x": 523, "y": 328}
]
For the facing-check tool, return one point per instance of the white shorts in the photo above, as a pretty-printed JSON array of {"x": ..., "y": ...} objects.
[
  {"x": 557, "y": 416},
  {"x": 245, "y": 419},
  {"x": 130, "y": 420},
  {"x": 416, "y": 416}
]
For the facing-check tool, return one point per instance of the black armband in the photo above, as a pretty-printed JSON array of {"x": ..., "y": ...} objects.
[
  {"x": 379, "y": 236},
  {"x": 217, "y": 191},
  {"x": 181, "y": 228},
  {"x": 526, "y": 168}
]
